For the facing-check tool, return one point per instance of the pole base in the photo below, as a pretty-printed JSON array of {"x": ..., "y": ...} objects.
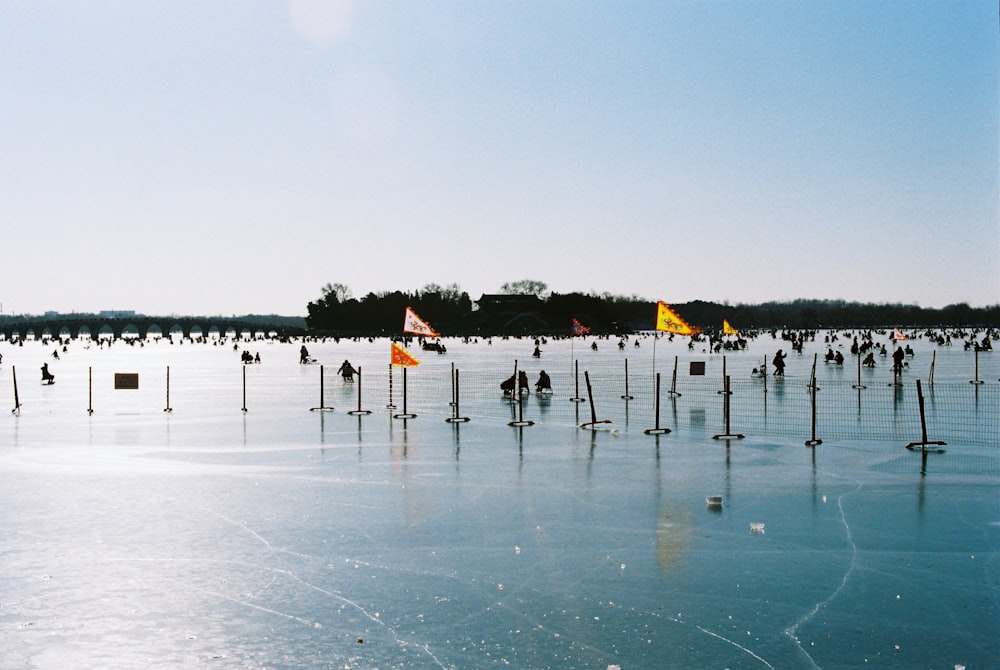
[
  {"x": 976, "y": 381},
  {"x": 324, "y": 408},
  {"x": 813, "y": 443},
  {"x": 656, "y": 431},
  {"x": 628, "y": 397},
  {"x": 933, "y": 447},
  {"x": 859, "y": 386},
  {"x": 577, "y": 399},
  {"x": 359, "y": 412},
  {"x": 674, "y": 394},
  {"x": 404, "y": 415},
  {"x": 728, "y": 436},
  {"x": 168, "y": 409},
  {"x": 457, "y": 419},
  {"x": 521, "y": 423}
]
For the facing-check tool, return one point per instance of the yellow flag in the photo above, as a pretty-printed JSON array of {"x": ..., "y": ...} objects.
[
  {"x": 402, "y": 357},
  {"x": 727, "y": 329},
  {"x": 667, "y": 320}
]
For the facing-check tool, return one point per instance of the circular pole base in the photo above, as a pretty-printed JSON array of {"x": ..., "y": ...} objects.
[
  {"x": 168, "y": 409},
  {"x": 735, "y": 436},
  {"x": 813, "y": 443},
  {"x": 656, "y": 431},
  {"x": 577, "y": 399},
  {"x": 404, "y": 415},
  {"x": 359, "y": 412},
  {"x": 321, "y": 409},
  {"x": 521, "y": 423},
  {"x": 457, "y": 419},
  {"x": 628, "y": 397}
]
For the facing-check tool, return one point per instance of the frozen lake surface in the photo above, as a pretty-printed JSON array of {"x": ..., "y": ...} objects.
[{"x": 281, "y": 537}]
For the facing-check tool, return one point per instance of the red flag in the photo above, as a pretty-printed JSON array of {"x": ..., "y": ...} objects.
[
  {"x": 402, "y": 357},
  {"x": 578, "y": 328}
]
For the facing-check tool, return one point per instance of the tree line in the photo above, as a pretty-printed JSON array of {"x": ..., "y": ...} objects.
[{"x": 451, "y": 311}]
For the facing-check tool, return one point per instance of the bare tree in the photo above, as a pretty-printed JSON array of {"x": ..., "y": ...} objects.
[{"x": 525, "y": 287}]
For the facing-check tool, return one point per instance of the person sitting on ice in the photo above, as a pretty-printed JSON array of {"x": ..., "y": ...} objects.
[
  {"x": 304, "y": 354},
  {"x": 347, "y": 371},
  {"x": 839, "y": 358},
  {"x": 544, "y": 384},
  {"x": 829, "y": 355},
  {"x": 47, "y": 376},
  {"x": 869, "y": 361}
]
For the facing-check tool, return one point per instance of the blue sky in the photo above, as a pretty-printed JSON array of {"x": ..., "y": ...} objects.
[{"x": 232, "y": 157}]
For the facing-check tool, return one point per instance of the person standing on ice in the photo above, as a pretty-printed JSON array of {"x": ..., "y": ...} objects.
[
  {"x": 779, "y": 363},
  {"x": 346, "y": 370}
]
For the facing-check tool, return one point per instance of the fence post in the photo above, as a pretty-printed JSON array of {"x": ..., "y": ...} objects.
[
  {"x": 813, "y": 441},
  {"x": 244, "y": 389},
  {"x": 404, "y": 414},
  {"x": 728, "y": 435},
  {"x": 322, "y": 391},
  {"x": 17, "y": 401},
  {"x": 656, "y": 430},
  {"x": 168, "y": 408},
  {"x": 359, "y": 411},
  {"x": 519, "y": 421},
  {"x": 924, "y": 442},
  {"x": 455, "y": 418},
  {"x": 977, "y": 380},
  {"x": 576, "y": 382},
  {"x": 626, "y": 396},
  {"x": 673, "y": 382}
]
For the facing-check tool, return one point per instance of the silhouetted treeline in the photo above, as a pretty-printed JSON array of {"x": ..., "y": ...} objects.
[{"x": 451, "y": 311}]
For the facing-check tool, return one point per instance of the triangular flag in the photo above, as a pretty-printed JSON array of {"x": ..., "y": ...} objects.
[
  {"x": 727, "y": 329},
  {"x": 415, "y": 325},
  {"x": 578, "y": 328},
  {"x": 897, "y": 335},
  {"x": 668, "y": 320},
  {"x": 402, "y": 357}
]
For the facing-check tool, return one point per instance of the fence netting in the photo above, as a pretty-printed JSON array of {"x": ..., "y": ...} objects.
[{"x": 789, "y": 407}]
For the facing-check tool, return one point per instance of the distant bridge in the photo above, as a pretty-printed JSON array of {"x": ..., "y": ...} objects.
[{"x": 144, "y": 327}]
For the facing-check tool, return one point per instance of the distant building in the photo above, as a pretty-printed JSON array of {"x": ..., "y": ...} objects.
[
  {"x": 517, "y": 312},
  {"x": 116, "y": 313}
]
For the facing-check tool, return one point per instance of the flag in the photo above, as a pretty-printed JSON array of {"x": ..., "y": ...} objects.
[
  {"x": 414, "y": 325},
  {"x": 897, "y": 335},
  {"x": 402, "y": 357},
  {"x": 668, "y": 320},
  {"x": 578, "y": 328},
  {"x": 727, "y": 329}
]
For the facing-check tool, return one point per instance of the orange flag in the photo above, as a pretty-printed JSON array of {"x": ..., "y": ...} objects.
[
  {"x": 669, "y": 321},
  {"x": 577, "y": 328},
  {"x": 897, "y": 335},
  {"x": 414, "y": 325},
  {"x": 402, "y": 357}
]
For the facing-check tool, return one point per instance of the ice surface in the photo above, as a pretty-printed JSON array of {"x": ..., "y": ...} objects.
[{"x": 280, "y": 537}]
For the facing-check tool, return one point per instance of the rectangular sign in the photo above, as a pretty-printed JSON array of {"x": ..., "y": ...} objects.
[
  {"x": 697, "y": 368},
  {"x": 127, "y": 380}
]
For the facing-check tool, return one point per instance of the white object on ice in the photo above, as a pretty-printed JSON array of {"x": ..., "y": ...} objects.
[
  {"x": 713, "y": 501},
  {"x": 757, "y": 527}
]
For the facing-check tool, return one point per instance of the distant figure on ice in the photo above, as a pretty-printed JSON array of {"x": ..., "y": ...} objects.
[
  {"x": 779, "y": 363},
  {"x": 544, "y": 384},
  {"x": 593, "y": 346},
  {"x": 838, "y": 358},
  {"x": 897, "y": 360},
  {"x": 521, "y": 381},
  {"x": 347, "y": 371},
  {"x": 47, "y": 377},
  {"x": 537, "y": 353},
  {"x": 869, "y": 361},
  {"x": 304, "y": 355},
  {"x": 829, "y": 356}
]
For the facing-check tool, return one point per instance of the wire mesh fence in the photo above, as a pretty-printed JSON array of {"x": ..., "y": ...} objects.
[{"x": 886, "y": 408}]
